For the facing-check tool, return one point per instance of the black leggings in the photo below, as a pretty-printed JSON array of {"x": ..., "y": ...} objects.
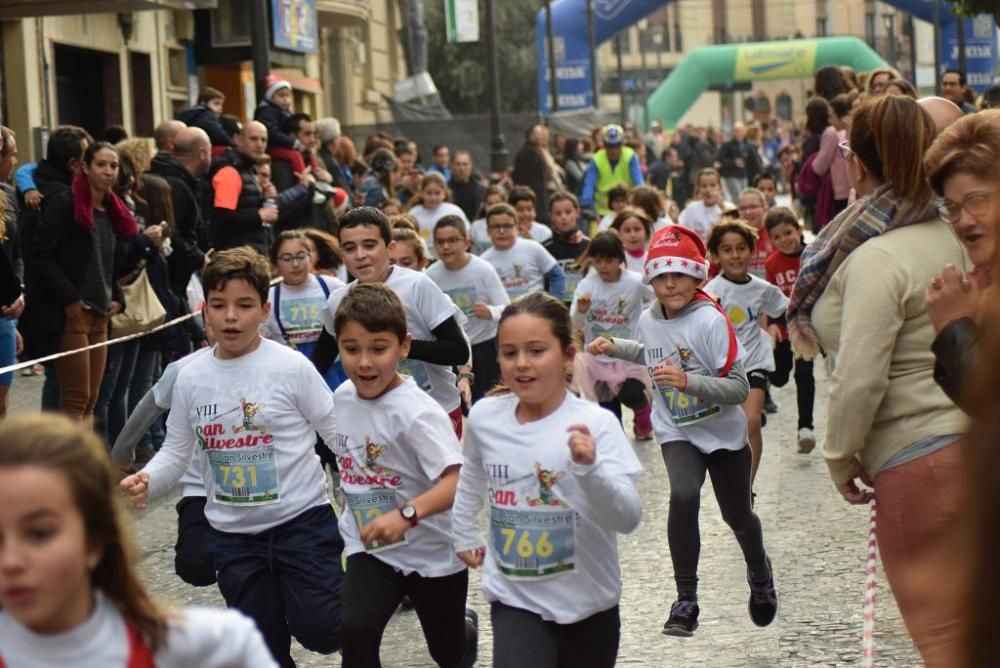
[
  {"x": 730, "y": 471},
  {"x": 805, "y": 383},
  {"x": 372, "y": 590},
  {"x": 522, "y": 638},
  {"x": 485, "y": 367},
  {"x": 632, "y": 393}
]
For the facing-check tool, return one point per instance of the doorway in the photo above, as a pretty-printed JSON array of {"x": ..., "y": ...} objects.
[{"x": 88, "y": 88}]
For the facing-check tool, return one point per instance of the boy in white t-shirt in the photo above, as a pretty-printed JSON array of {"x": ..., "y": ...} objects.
[
  {"x": 695, "y": 361},
  {"x": 523, "y": 265},
  {"x": 701, "y": 214},
  {"x": 399, "y": 461},
  {"x": 439, "y": 343},
  {"x": 253, "y": 407},
  {"x": 522, "y": 198}
]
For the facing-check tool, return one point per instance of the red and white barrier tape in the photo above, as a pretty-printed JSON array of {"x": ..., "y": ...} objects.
[{"x": 868, "y": 632}]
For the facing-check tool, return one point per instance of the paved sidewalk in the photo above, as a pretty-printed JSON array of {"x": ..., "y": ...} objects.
[{"x": 816, "y": 541}]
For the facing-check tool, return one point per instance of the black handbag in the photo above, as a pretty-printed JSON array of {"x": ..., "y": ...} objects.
[{"x": 10, "y": 284}]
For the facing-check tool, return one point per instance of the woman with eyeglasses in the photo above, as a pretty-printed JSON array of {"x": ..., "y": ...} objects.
[
  {"x": 962, "y": 168},
  {"x": 892, "y": 434}
]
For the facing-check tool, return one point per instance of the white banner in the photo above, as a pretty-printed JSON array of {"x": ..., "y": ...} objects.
[{"x": 462, "y": 20}]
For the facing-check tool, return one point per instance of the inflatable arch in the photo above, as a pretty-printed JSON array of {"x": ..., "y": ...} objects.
[
  {"x": 754, "y": 61},
  {"x": 572, "y": 53}
]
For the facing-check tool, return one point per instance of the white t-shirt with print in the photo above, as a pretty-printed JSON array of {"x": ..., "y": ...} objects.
[
  {"x": 744, "y": 303},
  {"x": 427, "y": 219},
  {"x": 700, "y": 218},
  {"x": 475, "y": 282},
  {"x": 614, "y": 307},
  {"x": 255, "y": 418},
  {"x": 480, "y": 237},
  {"x": 163, "y": 395},
  {"x": 391, "y": 450},
  {"x": 698, "y": 342},
  {"x": 426, "y": 308},
  {"x": 196, "y": 636},
  {"x": 301, "y": 306},
  {"x": 537, "y": 505},
  {"x": 635, "y": 263},
  {"x": 522, "y": 267}
]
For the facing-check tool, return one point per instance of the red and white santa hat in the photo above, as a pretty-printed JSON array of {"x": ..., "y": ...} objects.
[
  {"x": 341, "y": 201},
  {"x": 676, "y": 249},
  {"x": 272, "y": 84}
]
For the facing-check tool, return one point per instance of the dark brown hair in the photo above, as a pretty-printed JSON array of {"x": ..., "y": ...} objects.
[
  {"x": 501, "y": 209},
  {"x": 638, "y": 214},
  {"x": 889, "y": 135},
  {"x": 374, "y": 306},
  {"x": 290, "y": 235},
  {"x": 451, "y": 220},
  {"x": 521, "y": 194},
  {"x": 780, "y": 215},
  {"x": 55, "y": 442},
  {"x": 235, "y": 264},
  {"x": 724, "y": 227},
  {"x": 650, "y": 200},
  {"x": 491, "y": 190},
  {"x": 156, "y": 204},
  {"x": 545, "y": 306},
  {"x": 563, "y": 196},
  {"x": 604, "y": 244}
]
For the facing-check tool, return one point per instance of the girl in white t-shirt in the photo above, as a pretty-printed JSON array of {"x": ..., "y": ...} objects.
[
  {"x": 694, "y": 360},
  {"x": 477, "y": 292},
  {"x": 559, "y": 475},
  {"x": 399, "y": 460},
  {"x": 701, "y": 214},
  {"x": 635, "y": 229},
  {"x": 433, "y": 201},
  {"x": 747, "y": 299},
  {"x": 607, "y": 302},
  {"x": 409, "y": 250},
  {"x": 69, "y": 591},
  {"x": 478, "y": 233}
]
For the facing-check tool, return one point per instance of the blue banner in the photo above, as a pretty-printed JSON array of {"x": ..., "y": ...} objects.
[
  {"x": 980, "y": 50},
  {"x": 294, "y": 25}
]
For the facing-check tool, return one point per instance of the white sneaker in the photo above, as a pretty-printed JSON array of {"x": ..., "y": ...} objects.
[{"x": 807, "y": 440}]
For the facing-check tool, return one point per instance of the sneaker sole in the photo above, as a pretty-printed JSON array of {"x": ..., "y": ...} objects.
[
  {"x": 679, "y": 632},
  {"x": 806, "y": 445}
]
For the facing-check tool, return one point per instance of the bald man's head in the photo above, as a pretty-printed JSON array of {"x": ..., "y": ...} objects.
[
  {"x": 253, "y": 140},
  {"x": 165, "y": 135},
  {"x": 943, "y": 112},
  {"x": 194, "y": 150}
]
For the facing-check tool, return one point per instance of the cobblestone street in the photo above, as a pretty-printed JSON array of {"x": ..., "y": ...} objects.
[{"x": 816, "y": 541}]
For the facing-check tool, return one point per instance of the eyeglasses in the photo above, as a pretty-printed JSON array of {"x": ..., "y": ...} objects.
[
  {"x": 845, "y": 150},
  {"x": 976, "y": 204},
  {"x": 288, "y": 258},
  {"x": 501, "y": 226},
  {"x": 449, "y": 241}
]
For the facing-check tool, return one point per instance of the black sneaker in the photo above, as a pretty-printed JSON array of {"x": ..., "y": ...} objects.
[
  {"x": 471, "y": 639},
  {"x": 763, "y": 603},
  {"x": 683, "y": 619},
  {"x": 769, "y": 406}
]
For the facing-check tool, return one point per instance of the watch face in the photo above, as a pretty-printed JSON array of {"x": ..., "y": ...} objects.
[{"x": 409, "y": 512}]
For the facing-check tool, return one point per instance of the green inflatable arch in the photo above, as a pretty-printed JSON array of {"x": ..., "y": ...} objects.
[{"x": 755, "y": 61}]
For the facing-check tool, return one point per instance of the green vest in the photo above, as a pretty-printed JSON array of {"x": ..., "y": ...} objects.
[{"x": 608, "y": 178}]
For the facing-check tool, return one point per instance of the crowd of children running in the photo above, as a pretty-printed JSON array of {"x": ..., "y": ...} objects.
[{"x": 434, "y": 358}]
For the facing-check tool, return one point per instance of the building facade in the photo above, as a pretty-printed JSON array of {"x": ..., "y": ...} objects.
[{"x": 70, "y": 63}]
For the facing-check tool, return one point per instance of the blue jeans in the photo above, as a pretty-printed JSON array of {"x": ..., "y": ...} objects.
[
  {"x": 8, "y": 346},
  {"x": 110, "y": 411},
  {"x": 287, "y": 579}
]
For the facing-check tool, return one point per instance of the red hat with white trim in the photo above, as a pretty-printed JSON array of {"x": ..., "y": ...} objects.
[
  {"x": 676, "y": 249},
  {"x": 272, "y": 84}
]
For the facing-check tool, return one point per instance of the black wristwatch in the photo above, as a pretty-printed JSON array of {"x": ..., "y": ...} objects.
[{"x": 409, "y": 514}]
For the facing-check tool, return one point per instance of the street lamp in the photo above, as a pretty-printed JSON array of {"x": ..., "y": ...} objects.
[
  {"x": 889, "y": 21},
  {"x": 498, "y": 153}
]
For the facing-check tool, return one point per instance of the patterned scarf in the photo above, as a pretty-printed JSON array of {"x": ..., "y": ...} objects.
[{"x": 866, "y": 219}]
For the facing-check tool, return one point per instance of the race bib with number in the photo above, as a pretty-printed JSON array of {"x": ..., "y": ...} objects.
[
  {"x": 464, "y": 299},
  {"x": 686, "y": 409},
  {"x": 417, "y": 371},
  {"x": 244, "y": 477},
  {"x": 301, "y": 320},
  {"x": 366, "y": 507},
  {"x": 533, "y": 544}
]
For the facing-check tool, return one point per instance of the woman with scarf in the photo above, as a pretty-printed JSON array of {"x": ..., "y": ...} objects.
[
  {"x": 79, "y": 252},
  {"x": 860, "y": 298}
]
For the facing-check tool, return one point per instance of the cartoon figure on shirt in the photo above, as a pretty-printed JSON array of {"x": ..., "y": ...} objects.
[
  {"x": 518, "y": 268},
  {"x": 738, "y": 316},
  {"x": 250, "y": 412},
  {"x": 372, "y": 452},
  {"x": 546, "y": 481},
  {"x": 685, "y": 354},
  {"x": 620, "y": 307}
]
